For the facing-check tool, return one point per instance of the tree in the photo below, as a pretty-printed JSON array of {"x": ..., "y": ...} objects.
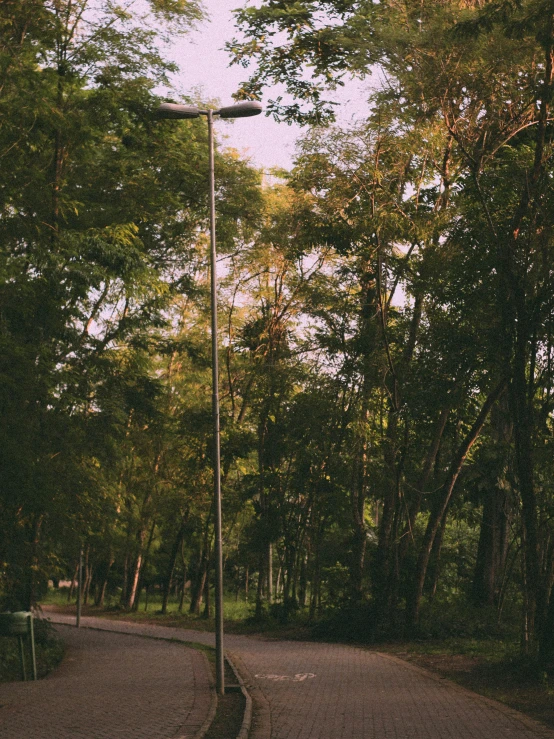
[
  {"x": 101, "y": 209},
  {"x": 472, "y": 73}
]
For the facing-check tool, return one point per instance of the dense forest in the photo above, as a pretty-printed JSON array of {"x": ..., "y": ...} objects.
[{"x": 386, "y": 316}]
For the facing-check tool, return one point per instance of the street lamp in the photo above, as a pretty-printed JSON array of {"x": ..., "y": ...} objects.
[{"x": 240, "y": 110}]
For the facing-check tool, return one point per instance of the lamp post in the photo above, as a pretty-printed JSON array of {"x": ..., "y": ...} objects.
[{"x": 240, "y": 110}]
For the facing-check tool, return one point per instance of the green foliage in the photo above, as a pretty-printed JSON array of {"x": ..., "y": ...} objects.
[
  {"x": 385, "y": 322},
  {"x": 49, "y": 653},
  {"x": 100, "y": 213},
  {"x": 456, "y": 619},
  {"x": 284, "y": 37}
]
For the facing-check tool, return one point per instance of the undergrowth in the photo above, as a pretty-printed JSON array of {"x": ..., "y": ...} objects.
[{"x": 49, "y": 653}]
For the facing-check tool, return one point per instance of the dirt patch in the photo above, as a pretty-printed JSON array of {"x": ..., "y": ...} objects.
[{"x": 228, "y": 719}]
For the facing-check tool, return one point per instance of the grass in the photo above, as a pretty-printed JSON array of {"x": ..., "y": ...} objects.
[
  {"x": 234, "y": 610},
  {"x": 238, "y": 615}
]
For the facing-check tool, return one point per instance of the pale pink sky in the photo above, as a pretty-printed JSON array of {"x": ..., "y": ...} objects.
[{"x": 204, "y": 64}]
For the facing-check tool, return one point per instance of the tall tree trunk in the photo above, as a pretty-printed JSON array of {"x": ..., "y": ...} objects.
[
  {"x": 28, "y": 592},
  {"x": 202, "y": 569},
  {"x": 88, "y": 576},
  {"x": 126, "y": 568},
  {"x": 492, "y": 548},
  {"x": 134, "y": 581},
  {"x": 546, "y": 636},
  {"x": 183, "y": 589},
  {"x": 386, "y": 569},
  {"x": 198, "y": 587},
  {"x": 384, "y": 581},
  {"x": 199, "y": 581},
  {"x": 407, "y": 536},
  {"x": 103, "y": 583},
  {"x": 316, "y": 575},
  {"x": 270, "y": 573},
  {"x": 303, "y": 581},
  {"x": 143, "y": 569},
  {"x": 368, "y": 337},
  {"x": 138, "y": 564},
  {"x": 175, "y": 549},
  {"x": 73, "y": 583},
  {"x": 522, "y": 414},
  {"x": 207, "y": 600},
  {"x": 442, "y": 501},
  {"x": 278, "y": 582},
  {"x": 435, "y": 559},
  {"x": 260, "y": 589}
]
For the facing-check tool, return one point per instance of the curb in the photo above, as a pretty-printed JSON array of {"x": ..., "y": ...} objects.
[
  {"x": 257, "y": 725},
  {"x": 247, "y": 718},
  {"x": 213, "y": 701}
]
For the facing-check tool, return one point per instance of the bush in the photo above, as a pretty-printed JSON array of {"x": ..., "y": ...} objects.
[
  {"x": 444, "y": 620},
  {"x": 49, "y": 653},
  {"x": 351, "y": 622}
]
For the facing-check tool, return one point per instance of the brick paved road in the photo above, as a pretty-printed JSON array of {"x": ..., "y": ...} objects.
[
  {"x": 354, "y": 694},
  {"x": 111, "y": 686}
]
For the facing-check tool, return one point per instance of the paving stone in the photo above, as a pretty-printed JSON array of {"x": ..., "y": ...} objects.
[
  {"x": 353, "y": 694},
  {"x": 111, "y": 685}
]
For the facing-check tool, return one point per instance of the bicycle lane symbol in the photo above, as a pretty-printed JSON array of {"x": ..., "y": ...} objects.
[{"x": 298, "y": 678}]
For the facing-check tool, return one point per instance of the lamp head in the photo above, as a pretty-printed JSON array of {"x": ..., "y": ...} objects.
[
  {"x": 241, "y": 110},
  {"x": 173, "y": 111}
]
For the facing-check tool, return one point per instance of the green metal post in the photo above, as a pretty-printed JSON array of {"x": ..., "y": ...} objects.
[
  {"x": 33, "y": 653},
  {"x": 79, "y": 588},
  {"x": 22, "y": 658}
]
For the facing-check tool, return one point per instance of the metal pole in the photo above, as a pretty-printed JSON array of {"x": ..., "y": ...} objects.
[
  {"x": 22, "y": 658},
  {"x": 219, "y": 669},
  {"x": 33, "y": 652},
  {"x": 79, "y": 588}
]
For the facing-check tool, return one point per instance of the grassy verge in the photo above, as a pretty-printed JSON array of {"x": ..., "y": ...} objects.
[
  {"x": 230, "y": 710},
  {"x": 49, "y": 653},
  {"x": 229, "y": 713},
  {"x": 239, "y": 617}
]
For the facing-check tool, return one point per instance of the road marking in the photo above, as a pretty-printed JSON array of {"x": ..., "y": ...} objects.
[{"x": 298, "y": 678}]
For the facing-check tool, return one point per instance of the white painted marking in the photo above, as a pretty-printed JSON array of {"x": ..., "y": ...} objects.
[{"x": 298, "y": 678}]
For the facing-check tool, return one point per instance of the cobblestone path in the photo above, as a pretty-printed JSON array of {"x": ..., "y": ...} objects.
[
  {"x": 110, "y": 686},
  {"x": 305, "y": 690}
]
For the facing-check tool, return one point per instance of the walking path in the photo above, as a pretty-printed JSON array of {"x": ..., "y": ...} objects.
[
  {"x": 305, "y": 690},
  {"x": 109, "y": 686}
]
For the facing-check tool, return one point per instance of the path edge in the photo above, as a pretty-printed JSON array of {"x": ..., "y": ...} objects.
[
  {"x": 213, "y": 699},
  {"x": 258, "y": 723},
  {"x": 189, "y": 644},
  {"x": 247, "y": 718},
  {"x": 530, "y": 723}
]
